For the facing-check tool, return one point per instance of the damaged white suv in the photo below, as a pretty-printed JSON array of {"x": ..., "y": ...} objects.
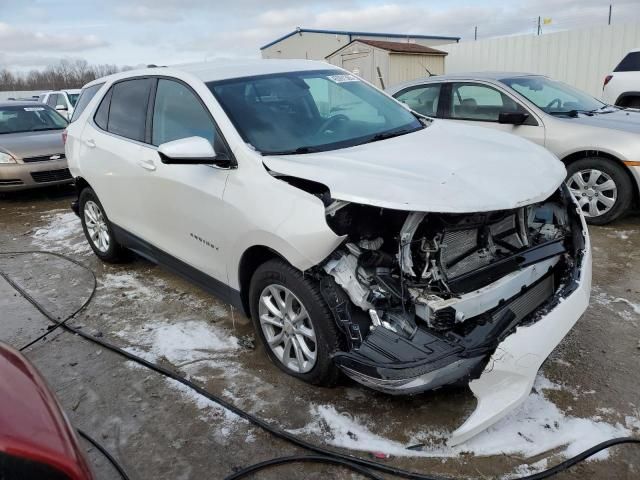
[{"x": 407, "y": 253}]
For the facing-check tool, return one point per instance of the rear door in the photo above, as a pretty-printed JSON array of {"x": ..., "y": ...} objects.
[
  {"x": 113, "y": 145},
  {"x": 183, "y": 208},
  {"x": 480, "y": 104}
]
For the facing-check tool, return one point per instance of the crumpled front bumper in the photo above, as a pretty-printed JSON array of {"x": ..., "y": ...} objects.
[{"x": 508, "y": 378}]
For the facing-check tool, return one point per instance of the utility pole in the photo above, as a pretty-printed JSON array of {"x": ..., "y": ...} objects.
[
  {"x": 610, "y": 7},
  {"x": 475, "y": 35},
  {"x": 539, "y": 27}
]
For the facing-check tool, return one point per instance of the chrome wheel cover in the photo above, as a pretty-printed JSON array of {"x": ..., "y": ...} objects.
[
  {"x": 96, "y": 226},
  {"x": 287, "y": 328},
  {"x": 594, "y": 190}
]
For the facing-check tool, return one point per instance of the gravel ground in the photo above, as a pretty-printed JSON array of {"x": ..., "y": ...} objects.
[{"x": 586, "y": 392}]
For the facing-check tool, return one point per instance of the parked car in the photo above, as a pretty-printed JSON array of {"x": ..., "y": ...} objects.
[
  {"x": 36, "y": 439},
  {"x": 63, "y": 101},
  {"x": 598, "y": 143},
  {"x": 622, "y": 86},
  {"x": 359, "y": 236},
  {"x": 31, "y": 147}
]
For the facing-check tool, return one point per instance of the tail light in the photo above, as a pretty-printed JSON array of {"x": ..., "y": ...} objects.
[
  {"x": 64, "y": 136},
  {"x": 607, "y": 79}
]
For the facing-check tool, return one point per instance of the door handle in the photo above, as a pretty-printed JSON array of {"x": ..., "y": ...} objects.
[
  {"x": 90, "y": 143},
  {"x": 147, "y": 165}
]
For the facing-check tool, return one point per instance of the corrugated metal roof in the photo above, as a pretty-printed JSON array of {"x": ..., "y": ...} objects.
[
  {"x": 400, "y": 47},
  {"x": 356, "y": 34}
]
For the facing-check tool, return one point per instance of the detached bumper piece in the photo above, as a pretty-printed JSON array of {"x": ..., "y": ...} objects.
[{"x": 390, "y": 362}]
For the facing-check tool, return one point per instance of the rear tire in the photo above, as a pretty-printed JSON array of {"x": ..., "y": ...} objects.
[
  {"x": 274, "y": 284},
  {"x": 98, "y": 230},
  {"x": 602, "y": 188}
]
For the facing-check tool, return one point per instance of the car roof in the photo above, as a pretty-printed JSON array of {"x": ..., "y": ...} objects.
[
  {"x": 225, "y": 69},
  {"x": 487, "y": 76},
  {"x": 22, "y": 103}
]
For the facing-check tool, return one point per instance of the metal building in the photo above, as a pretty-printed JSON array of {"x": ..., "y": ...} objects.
[
  {"x": 317, "y": 44},
  {"x": 385, "y": 63}
]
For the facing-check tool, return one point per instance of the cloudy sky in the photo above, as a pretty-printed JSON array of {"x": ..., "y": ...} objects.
[{"x": 34, "y": 33}]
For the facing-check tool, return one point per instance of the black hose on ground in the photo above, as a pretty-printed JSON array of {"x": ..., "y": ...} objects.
[
  {"x": 104, "y": 451},
  {"x": 326, "y": 455}
]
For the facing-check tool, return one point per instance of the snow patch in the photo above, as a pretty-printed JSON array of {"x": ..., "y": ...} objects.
[
  {"x": 622, "y": 234},
  {"x": 538, "y": 426},
  {"x": 132, "y": 286},
  {"x": 226, "y": 420},
  {"x": 180, "y": 342},
  {"x": 634, "y": 306},
  {"x": 61, "y": 233}
]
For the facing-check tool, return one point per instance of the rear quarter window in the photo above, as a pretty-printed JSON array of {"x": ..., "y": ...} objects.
[{"x": 630, "y": 63}]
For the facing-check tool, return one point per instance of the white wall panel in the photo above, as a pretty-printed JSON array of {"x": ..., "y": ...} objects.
[{"x": 581, "y": 57}]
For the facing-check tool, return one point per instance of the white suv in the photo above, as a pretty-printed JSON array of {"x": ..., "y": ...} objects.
[
  {"x": 359, "y": 236},
  {"x": 622, "y": 86}
]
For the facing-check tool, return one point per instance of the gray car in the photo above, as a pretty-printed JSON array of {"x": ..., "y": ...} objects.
[
  {"x": 599, "y": 143},
  {"x": 31, "y": 146}
]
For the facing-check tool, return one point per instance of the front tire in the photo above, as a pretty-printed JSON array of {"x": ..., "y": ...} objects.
[
  {"x": 294, "y": 323},
  {"x": 601, "y": 187},
  {"x": 98, "y": 229}
]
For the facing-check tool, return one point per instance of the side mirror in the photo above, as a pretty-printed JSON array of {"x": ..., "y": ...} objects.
[
  {"x": 60, "y": 107},
  {"x": 191, "y": 150},
  {"x": 513, "y": 118}
]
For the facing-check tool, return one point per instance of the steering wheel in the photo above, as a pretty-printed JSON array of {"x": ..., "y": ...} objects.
[
  {"x": 330, "y": 121},
  {"x": 554, "y": 101}
]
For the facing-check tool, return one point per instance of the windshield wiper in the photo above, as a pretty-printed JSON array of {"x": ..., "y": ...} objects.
[
  {"x": 44, "y": 129},
  {"x": 573, "y": 113},
  {"x": 301, "y": 150},
  {"x": 385, "y": 135}
]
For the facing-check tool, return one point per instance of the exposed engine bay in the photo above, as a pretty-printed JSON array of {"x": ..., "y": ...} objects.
[{"x": 425, "y": 298}]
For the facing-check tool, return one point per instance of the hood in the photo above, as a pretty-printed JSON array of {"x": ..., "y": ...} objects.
[
  {"x": 623, "y": 120},
  {"x": 32, "y": 144},
  {"x": 445, "y": 167}
]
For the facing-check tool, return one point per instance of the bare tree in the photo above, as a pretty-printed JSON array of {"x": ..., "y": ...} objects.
[{"x": 65, "y": 74}]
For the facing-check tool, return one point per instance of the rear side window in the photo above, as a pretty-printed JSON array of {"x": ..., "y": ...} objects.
[
  {"x": 630, "y": 63},
  {"x": 128, "y": 108},
  {"x": 178, "y": 113},
  {"x": 85, "y": 97}
]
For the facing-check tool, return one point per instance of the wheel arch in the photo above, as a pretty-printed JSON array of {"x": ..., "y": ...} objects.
[
  {"x": 250, "y": 260},
  {"x": 624, "y": 96},
  {"x": 572, "y": 157}
]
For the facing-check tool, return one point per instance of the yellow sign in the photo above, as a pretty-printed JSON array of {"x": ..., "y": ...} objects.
[{"x": 546, "y": 21}]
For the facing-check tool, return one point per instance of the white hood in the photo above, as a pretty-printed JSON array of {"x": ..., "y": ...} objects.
[{"x": 446, "y": 167}]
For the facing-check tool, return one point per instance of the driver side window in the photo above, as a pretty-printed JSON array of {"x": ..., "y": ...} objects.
[{"x": 177, "y": 114}]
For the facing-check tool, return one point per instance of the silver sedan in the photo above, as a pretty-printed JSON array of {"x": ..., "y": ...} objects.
[
  {"x": 31, "y": 146},
  {"x": 599, "y": 143}
]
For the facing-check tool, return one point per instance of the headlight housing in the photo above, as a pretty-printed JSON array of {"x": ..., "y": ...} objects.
[{"x": 6, "y": 158}]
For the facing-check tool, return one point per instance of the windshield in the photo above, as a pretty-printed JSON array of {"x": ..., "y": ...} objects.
[
  {"x": 552, "y": 96},
  {"x": 73, "y": 98},
  {"x": 16, "y": 119},
  {"x": 302, "y": 112}
]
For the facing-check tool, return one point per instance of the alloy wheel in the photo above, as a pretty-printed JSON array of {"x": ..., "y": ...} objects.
[
  {"x": 287, "y": 328},
  {"x": 595, "y": 191},
  {"x": 96, "y": 226}
]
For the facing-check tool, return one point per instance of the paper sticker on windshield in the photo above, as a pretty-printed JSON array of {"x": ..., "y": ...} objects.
[
  {"x": 33, "y": 109},
  {"x": 343, "y": 78}
]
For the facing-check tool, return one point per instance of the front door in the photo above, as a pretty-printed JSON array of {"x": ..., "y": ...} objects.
[
  {"x": 481, "y": 104},
  {"x": 184, "y": 209}
]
